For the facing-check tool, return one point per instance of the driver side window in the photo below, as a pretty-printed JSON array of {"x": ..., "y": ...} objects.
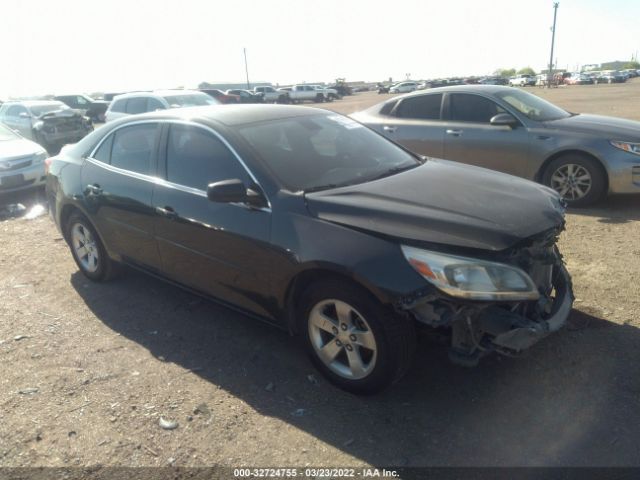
[{"x": 465, "y": 107}]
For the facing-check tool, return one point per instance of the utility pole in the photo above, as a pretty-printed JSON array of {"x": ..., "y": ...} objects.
[
  {"x": 246, "y": 69},
  {"x": 553, "y": 39}
]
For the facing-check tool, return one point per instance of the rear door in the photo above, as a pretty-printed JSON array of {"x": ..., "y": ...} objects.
[
  {"x": 118, "y": 180},
  {"x": 470, "y": 138},
  {"x": 415, "y": 122},
  {"x": 218, "y": 248}
]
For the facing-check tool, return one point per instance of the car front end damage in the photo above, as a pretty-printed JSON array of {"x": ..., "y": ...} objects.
[{"x": 507, "y": 305}]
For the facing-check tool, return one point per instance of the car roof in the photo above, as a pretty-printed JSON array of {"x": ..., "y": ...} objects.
[
  {"x": 230, "y": 115},
  {"x": 487, "y": 89}
]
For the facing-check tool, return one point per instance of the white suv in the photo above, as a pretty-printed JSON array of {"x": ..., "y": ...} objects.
[
  {"x": 404, "y": 87},
  {"x": 142, "y": 102}
]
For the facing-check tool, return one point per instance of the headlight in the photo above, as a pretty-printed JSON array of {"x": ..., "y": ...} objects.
[
  {"x": 471, "y": 278},
  {"x": 626, "y": 146}
]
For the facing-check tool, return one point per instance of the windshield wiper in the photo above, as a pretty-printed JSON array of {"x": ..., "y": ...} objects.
[{"x": 393, "y": 171}]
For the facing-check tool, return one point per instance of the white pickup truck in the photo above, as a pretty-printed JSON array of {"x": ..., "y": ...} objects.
[
  {"x": 270, "y": 94},
  {"x": 300, "y": 93}
]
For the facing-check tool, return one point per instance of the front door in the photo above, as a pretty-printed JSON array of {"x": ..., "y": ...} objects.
[
  {"x": 470, "y": 138},
  {"x": 221, "y": 249}
]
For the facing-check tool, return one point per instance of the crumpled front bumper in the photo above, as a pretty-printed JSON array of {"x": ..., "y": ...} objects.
[{"x": 523, "y": 337}]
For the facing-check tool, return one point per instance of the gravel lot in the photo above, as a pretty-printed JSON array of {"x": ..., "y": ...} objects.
[{"x": 88, "y": 370}]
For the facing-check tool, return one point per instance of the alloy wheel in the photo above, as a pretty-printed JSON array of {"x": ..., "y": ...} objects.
[
  {"x": 571, "y": 181},
  {"x": 85, "y": 247},
  {"x": 342, "y": 339}
]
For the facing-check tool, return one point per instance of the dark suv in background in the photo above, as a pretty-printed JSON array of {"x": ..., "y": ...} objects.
[{"x": 87, "y": 106}]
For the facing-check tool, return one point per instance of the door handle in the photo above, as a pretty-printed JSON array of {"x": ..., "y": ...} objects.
[
  {"x": 167, "y": 212},
  {"x": 389, "y": 129},
  {"x": 94, "y": 189},
  {"x": 455, "y": 133}
]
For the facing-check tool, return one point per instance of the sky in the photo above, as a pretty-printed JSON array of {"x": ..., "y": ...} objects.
[{"x": 70, "y": 46}]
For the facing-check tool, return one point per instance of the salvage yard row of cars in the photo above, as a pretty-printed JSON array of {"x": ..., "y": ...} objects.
[{"x": 238, "y": 202}]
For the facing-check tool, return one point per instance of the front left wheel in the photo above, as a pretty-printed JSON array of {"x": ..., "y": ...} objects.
[{"x": 358, "y": 344}]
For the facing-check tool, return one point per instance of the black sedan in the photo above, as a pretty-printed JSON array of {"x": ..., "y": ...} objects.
[{"x": 311, "y": 221}]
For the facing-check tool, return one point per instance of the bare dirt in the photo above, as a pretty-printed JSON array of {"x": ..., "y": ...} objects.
[{"x": 88, "y": 370}]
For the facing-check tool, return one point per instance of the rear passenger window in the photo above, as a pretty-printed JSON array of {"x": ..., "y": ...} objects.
[
  {"x": 424, "y": 107},
  {"x": 104, "y": 152},
  {"x": 195, "y": 158},
  {"x": 133, "y": 148},
  {"x": 119, "y": 105}
]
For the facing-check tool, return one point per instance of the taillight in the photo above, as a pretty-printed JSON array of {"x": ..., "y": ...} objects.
[{"x": 47, "y": 164}]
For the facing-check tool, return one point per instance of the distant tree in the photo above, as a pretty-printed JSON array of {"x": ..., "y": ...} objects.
[
  {"x": 634, "y": 65},
  {"x": 505, "y": 72},
  {"x": 205, "y": 85},
  {"x": 526, "y": 71}
]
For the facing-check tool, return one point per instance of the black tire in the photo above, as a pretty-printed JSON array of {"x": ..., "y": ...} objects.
[
  {"x": 395, "y": 336},
  {"x": 106, "y": 268},
  {"x": 596, "y": 171},
  {"x": 320, "y": 98}
]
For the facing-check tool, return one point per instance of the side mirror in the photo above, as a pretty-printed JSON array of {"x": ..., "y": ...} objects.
[
  {"x": 24, "y": 115},
  {"x": 504, "y": 119},
  {"x": 234, "y": 191}
]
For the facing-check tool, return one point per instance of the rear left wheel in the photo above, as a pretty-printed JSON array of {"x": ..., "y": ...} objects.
[{"x": 87, "y": 249}]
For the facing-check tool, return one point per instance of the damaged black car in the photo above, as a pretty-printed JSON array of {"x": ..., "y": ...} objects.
[{"x": 311, "y": 221}]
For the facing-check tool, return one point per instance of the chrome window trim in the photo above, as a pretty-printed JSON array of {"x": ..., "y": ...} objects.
[{"x": 167, "y": 183}]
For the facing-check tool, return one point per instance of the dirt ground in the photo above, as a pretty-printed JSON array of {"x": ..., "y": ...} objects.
[{"x": 89, "y": 369}]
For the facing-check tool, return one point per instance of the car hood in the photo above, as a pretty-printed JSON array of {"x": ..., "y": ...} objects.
[
  {"x": 18, "y": 148},
  {"x": 445, "y": 203},
  {"x": 611, "y": 128},
  {"x": 66, "y": 113}
]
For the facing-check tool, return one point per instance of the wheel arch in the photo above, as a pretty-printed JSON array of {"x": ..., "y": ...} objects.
[
  {"x": 540, "y": 173},
  {"x": 66, "y": 212},
  {"x": 303, "y": 279}
]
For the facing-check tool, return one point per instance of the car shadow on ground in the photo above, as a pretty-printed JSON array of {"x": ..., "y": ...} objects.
[
  {"x": 571, "y": 400},
  {"x": 613, "y": 209}
]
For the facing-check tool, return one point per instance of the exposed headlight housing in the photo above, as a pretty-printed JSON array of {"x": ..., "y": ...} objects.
[
  {"x": 626, "y": 146},
  {"x": 471, "y": 278}
]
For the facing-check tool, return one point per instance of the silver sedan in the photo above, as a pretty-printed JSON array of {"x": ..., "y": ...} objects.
[
  {"x": 21, "y": 162},
  {"x": 581, "y": 156}
]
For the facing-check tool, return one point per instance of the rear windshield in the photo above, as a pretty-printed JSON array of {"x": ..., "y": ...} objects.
[{"x": 190, "y": 100}]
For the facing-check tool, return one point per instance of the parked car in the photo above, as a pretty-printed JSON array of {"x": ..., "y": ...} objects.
[
  {"x": 21, "y": 162},
  {"x": 108, "y": 97},
  {"x": 301, "y": 93},
  {"x": 85, "y": 105},
  {"x": 576, "y": 78},
  {"x": 522, "y": 81},
  {"x": 246, "y": 96},
  {"x": 493, "y": 81},
  {"x": 610, "y": 76},
  {"x": 330, "y": 94},
  {"x": 220, "y": 96},
  {"x": 49, "y": 123},
  {"x": 306, "y": 219},
  {"x": 580, "y": 156},
  {"x": 403, "y": 87},
  {"x": 342, "y": 89},
  {"x": 270, "y": 94},
  {"x": 141, "y": 102},
  {"x": 382, "y": 88}
]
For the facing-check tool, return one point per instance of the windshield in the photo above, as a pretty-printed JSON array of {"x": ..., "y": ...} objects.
[
  {"x": 532, "y": 106},
  {"x": 324, "y": 151},
  {"x": 38, "y": 110},
  {"x": 7, "y": 134},
  {"x": 190, "y": 100}
]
